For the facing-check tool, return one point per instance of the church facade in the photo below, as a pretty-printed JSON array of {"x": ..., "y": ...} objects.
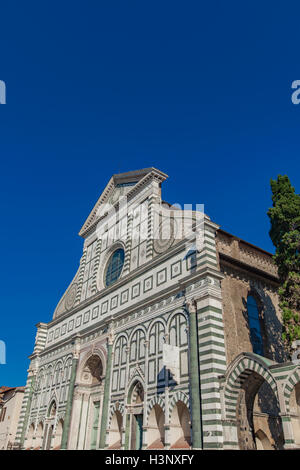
[{"x": 168, "y": 337}]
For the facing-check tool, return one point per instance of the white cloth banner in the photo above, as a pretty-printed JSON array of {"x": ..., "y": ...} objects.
[{"x": 171, "y": 360}]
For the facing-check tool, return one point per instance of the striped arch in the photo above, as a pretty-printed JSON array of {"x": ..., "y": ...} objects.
[
  {"x": 59, "y": 361},
  {"x": 53, "y": 400},
  {"x": 156, "y": 320},
  {"x": 98, "y": 351},
  {"x": 241, "y": 368},
  {"x": 34, "y": 424},
  {"x": 60, "y": 415},
  {"x": 135, "y": 329},
  {"x": 124, "y": 335},
  {"x": 291, "y": 381},
  {"x": 115, "y": 407},
  {"x": 155, "y": 401},
  {"x": 181, "y": 311},
  {"x": 136, "y": 376},
  {"x": 41, "y": 373},
  {"x": 69, "y": 357},
  {"x": 178, "y": 396}
]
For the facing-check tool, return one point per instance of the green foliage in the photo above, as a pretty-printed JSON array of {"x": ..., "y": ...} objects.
[{"x": 285, "y": 235}]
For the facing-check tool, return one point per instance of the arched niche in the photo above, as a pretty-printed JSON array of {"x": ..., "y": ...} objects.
[
  {"x": 115, "y": 431},
  {"x": 92, "y": 371},
  {"x": 295, "y": 413},
  {"x": 180, "y": 427},
  {"x": 156, "y": 428}
]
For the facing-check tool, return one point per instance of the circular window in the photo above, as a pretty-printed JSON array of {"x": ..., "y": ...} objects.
[{"x": 114, "y": 267}]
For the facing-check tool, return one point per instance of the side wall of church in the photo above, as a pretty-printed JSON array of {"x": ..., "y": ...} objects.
[{"x": 249, "y": 271}]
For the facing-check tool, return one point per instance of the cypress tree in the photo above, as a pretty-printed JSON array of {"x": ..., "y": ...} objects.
[{"x": 285, "y": 235}]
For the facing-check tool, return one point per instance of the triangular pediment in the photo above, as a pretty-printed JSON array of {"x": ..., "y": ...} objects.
[
  {"x": 136, "y": 373},
  {"x": 118, "y": 186}
]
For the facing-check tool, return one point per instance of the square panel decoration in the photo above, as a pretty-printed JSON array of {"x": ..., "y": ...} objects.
[
  {"x": 176, "y": 269},
  {"x": 95, "y": 313},
  {"x": 161, "y": 277},
  {"x": 148, "y": 284},
  {"x": 86, "y": 317},
  {"x": 135, "y": 291},
  {"x": 104, "y": 307},
  {"x": 114, "y": 302},
  {"x": 124, "y": 296}
]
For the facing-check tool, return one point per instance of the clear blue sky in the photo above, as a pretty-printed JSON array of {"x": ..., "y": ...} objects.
[{"x": 200, "y": 90}]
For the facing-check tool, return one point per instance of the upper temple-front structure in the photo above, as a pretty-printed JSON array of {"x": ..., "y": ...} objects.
[{"x": 168, "y": 337}]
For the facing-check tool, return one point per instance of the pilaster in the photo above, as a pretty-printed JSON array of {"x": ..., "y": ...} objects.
[
  {"x": 68, "y": 414},
  {"x": 106, "y": 396},
  {"x": 194, "y": 376}
]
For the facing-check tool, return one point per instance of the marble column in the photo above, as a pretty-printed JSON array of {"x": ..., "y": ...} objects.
[
  {"x": 106, "y": 396},
  {"x": 67, "y": 421},
  {"x": 194, "y": 376}
]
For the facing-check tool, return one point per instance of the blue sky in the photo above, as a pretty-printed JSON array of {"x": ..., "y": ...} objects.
[{"x": 200, "y": 90}]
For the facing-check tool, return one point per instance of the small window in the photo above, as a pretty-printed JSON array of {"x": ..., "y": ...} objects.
[
  {"x": 114, "y": 267},
  {"x": 254, "y": 326},
  {"x": 3, "y": 414}
]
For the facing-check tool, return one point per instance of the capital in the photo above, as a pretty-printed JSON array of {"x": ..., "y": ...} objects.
[
  {"x": 76, "y": 347},
  {"x": 191, "y": 305},
  {"x": 111, "y": 334}
]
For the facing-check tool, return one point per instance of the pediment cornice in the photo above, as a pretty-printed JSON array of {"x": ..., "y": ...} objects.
[{"x": 142, "y": 177}]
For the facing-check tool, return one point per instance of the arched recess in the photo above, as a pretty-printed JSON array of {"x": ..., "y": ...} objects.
[
  {"x": 262, "y": 441},
  {"x": 120, "y": 354},
  {"x": 178, "y": 396},
  {"x": 49, "y": 436},
  {"x": 136, "y": 343},
  {"x": 251, "y": 401},
  {"x": 67, "y": 369},
  {"x": 39, "y": 436},
  {"x": 58, "y": 435},
  {"x": 41, "y": 379},
  {"x": 52, "y": 409},
  {"x": 29, "y": 437},
  {"x": 294, "y": 409},
  {"x": 87, "y": 400},
  {"x": 115, "y": 425},
  {"x": 156, "y": 428},
  {"x": 178, "y": 337},
  {"x": 58, "y": 373},
  {"x": 238, "y": 371},
  {"x": 173, "y": 323},
  {"x": 120, "y": 344},
  {"x": 291, "y": 381},
  {"x": 115, "y": 431},
  {"x": 156, "y": 338},
  {"x": 180, "y": 426},
  {"x": 49, "y": 376},
  {"x": 156, "y": 400},
  {"x": 92, "y": 371},
  {"x": 135, "y": 409}
]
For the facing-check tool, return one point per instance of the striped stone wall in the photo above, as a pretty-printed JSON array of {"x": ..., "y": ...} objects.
[
  {"x": 212, "y": 354},
  {"x": 25, "y": 410}
]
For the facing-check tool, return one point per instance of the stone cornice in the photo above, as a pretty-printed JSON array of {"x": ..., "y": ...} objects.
[
  {"x": 226, "y": 260},
  {"x": 234, "y": 237}
]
